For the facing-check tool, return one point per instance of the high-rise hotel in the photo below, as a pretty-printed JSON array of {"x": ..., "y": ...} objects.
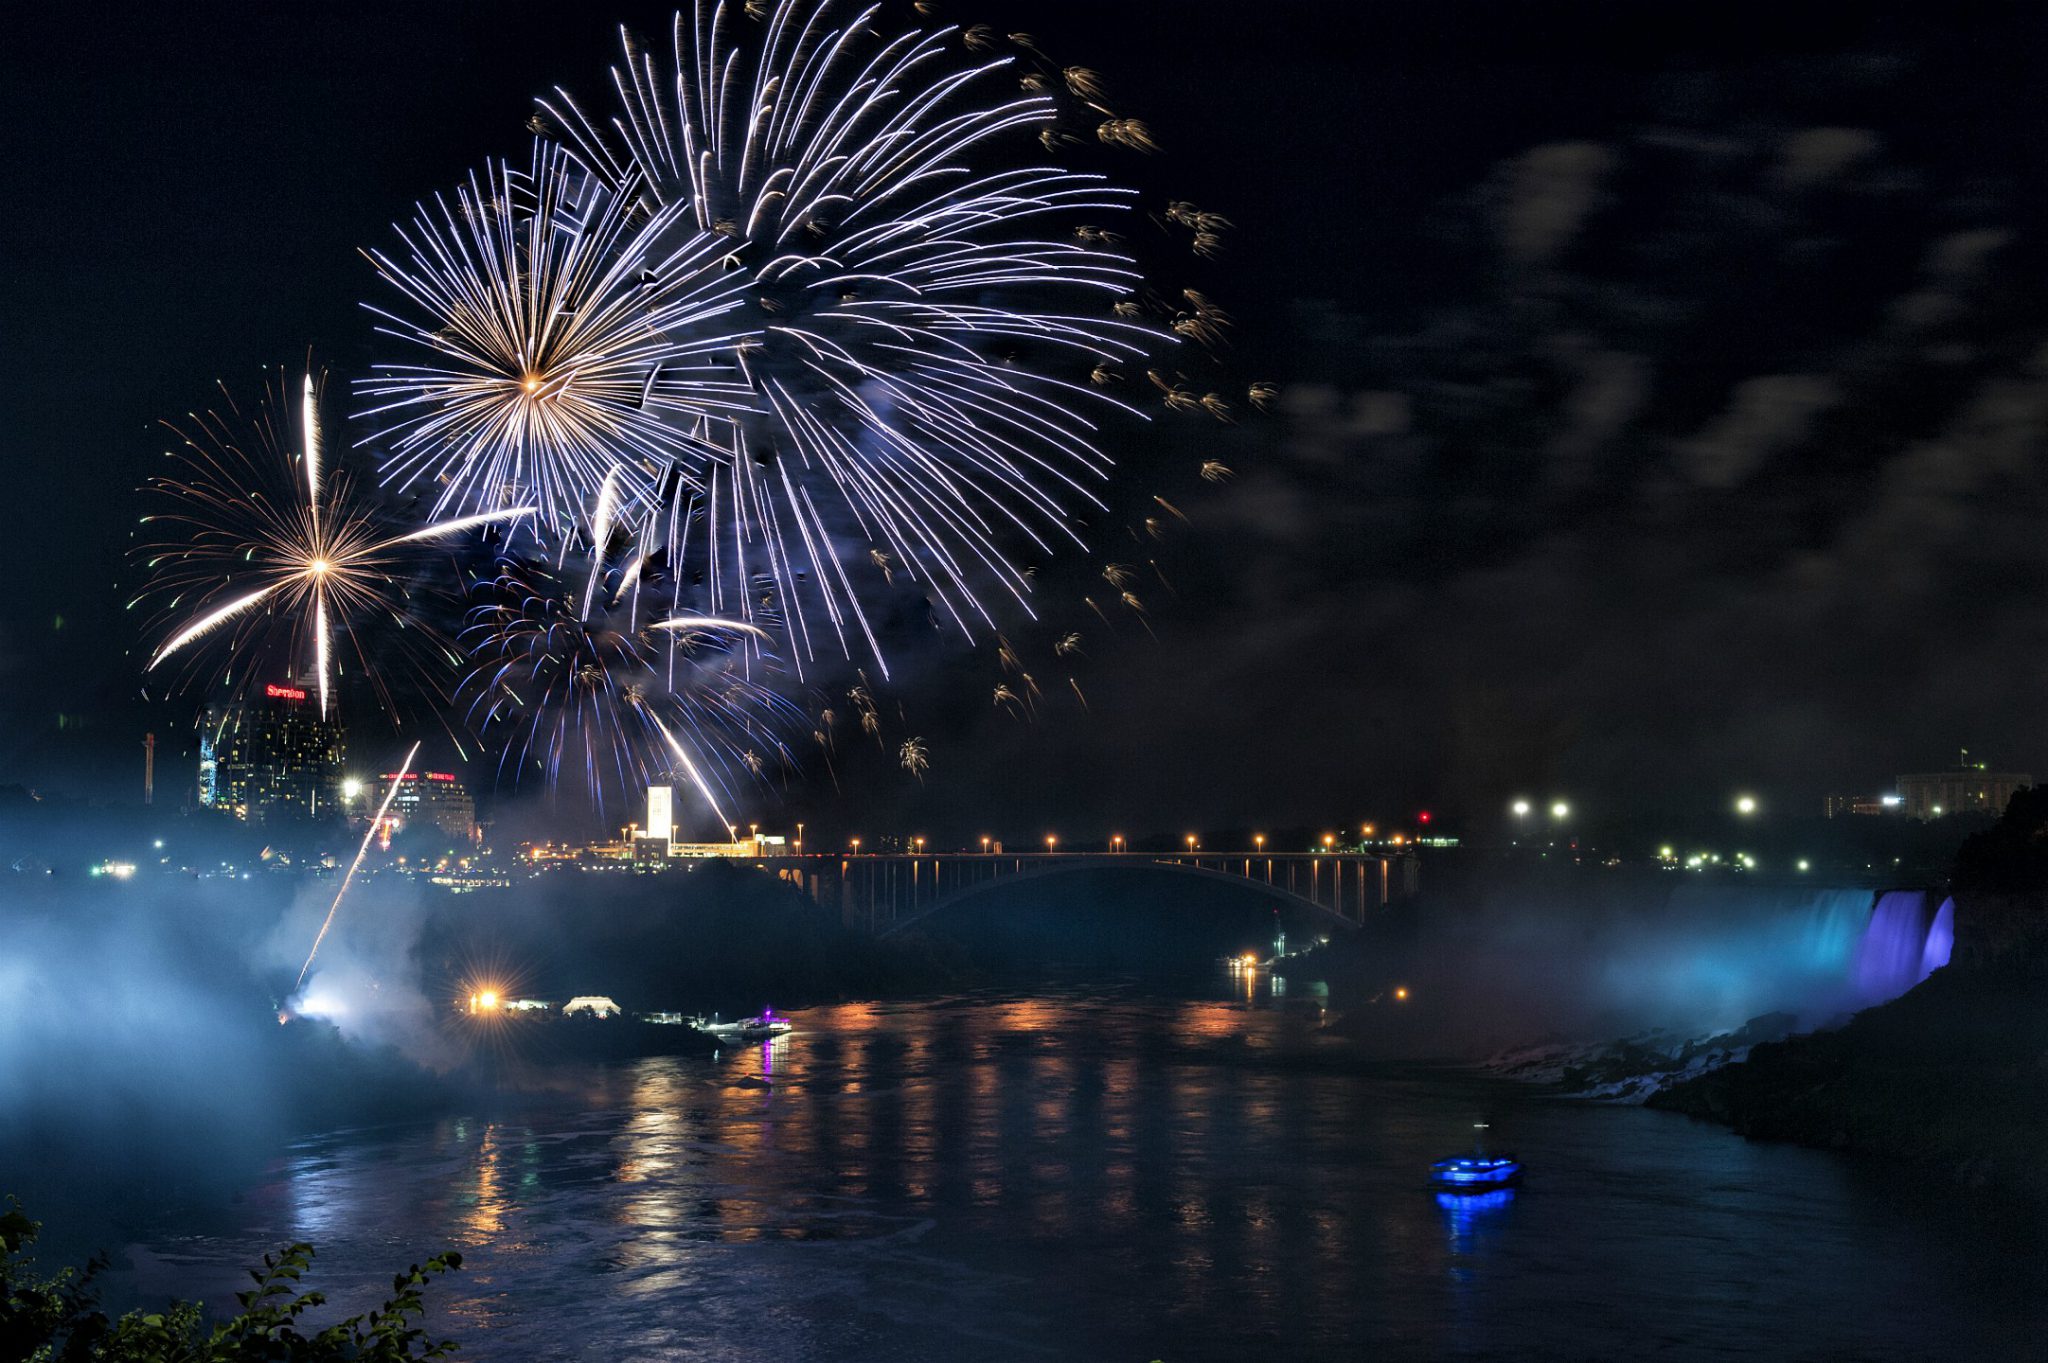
[{"x": 271, "y": 756}]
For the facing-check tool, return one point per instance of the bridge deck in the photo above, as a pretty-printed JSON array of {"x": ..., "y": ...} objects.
[{"x": 883, "y": 889}]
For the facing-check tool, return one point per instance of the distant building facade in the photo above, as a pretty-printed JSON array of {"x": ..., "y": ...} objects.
[
  {"x": 435, "y": 799},
  {"x": 1862, "y": 806},
  {"x": 271, "y": 756},
  {"x": 1966, "y": 790}
]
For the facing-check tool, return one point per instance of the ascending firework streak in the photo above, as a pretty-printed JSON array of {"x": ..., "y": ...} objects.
[
  {"x": 257, "y": 547},
  {"x": 828, "y": 302},
  {"x": 361, "y": 852}
]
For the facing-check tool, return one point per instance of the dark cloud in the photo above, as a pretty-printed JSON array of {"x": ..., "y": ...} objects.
[{"x": 1548, "y": 193}]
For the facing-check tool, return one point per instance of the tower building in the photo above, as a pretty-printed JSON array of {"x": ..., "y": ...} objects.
[{"x": 271, "y": 756}]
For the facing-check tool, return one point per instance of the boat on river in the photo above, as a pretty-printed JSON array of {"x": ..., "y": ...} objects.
[
  {"x": 766, "y": 1027},
  {"x": 1477, "y": 1172}
]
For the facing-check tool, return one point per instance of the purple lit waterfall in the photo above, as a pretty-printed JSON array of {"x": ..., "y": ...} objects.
[
  {"x": 1902, "y": 945},
  {"x": 1941, "y": 939}
]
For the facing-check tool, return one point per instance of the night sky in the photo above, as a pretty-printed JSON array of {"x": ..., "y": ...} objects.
[{"x": 1665, "y": 390}]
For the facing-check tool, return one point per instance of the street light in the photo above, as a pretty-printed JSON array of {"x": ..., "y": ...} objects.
[
  {"x": 1191, "y": 842},
  {"x": 1329, "y": 841},
  {"x": 1745, "y": 805},
  {"x": 919, "y": 842},
  {"x": 1520, "y": 808},
  {"x": 856, "y": 846},
  {"x": 1560, "y": 810},
  {"x": 1051, "y": 841},
  {"x": 1116, "y": 842},
  {"x": 985, "y": 841},
  {"x": 1259, "y": 841}
]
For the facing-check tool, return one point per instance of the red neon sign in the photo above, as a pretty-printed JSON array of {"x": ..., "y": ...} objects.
[{"x": 276, "y": 692}]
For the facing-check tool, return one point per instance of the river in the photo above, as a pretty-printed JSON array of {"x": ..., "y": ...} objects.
[{"x": 1111, "y": 1175}]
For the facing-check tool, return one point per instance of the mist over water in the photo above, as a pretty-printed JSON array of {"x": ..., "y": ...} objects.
[
  {"x": 1498, "y": 963},
  {"x": 140, "y": 1047}
]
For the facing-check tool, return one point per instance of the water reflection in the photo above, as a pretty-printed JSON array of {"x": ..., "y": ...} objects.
[
  {"x": 1466, "y": 1214},
  {"x": 1105, "y": 1175}
]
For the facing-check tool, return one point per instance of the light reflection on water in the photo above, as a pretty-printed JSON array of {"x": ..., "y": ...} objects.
[{"x": 1109, "y": 1177}]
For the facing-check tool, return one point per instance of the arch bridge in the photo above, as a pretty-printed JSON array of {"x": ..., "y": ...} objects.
[{"x": 887, "y": 892}]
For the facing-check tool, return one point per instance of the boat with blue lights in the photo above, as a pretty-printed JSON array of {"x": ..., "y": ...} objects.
[{"x": 1477, "y": 1172}]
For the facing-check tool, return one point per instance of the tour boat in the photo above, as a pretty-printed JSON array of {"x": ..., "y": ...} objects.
[
  {"x": 762, "y": 1028},
  {"x": 1477, "y": 1172}
]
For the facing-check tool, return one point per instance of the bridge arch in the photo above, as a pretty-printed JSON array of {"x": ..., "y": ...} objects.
[{"x": 1320, "y": 914}]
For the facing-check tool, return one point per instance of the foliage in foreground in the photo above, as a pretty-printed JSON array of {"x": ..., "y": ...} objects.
[{"x": 58, "y": 1319}]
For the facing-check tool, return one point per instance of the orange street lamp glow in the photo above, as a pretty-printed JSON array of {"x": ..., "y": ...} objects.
[
  {"x": 1259, "y": 841},
  {"x": 1191, "y": 842}
]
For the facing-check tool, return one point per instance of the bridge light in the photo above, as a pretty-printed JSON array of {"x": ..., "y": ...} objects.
[
  {"x": 1401, "y": 993},
  {"x": 919, "y": 842},
  {"x": 1366, "y": 830},
  {"x": 985, "y": 841},
  {"x": 1329, "y": 841},
  {"x": 1191, "y": 842},
  {"x": 856, "y": 846},
  {"x": 1051, "y": 841},
  {"x": 1116, "y": 842},
  {"x": 1259, "y": 841}
]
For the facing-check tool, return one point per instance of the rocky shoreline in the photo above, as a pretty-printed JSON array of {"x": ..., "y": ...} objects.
[
  {"x": 1635, "y": 1069},
  {"x": 1952, "y": 1077}
]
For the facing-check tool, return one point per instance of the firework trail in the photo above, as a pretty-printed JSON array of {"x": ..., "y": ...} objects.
[
  {"x": 361, "y": 852},
  {"x": 262, "y": 554}
]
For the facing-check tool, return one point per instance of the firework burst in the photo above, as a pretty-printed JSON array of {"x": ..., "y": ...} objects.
[
  {"x": 830, "y": 302},
  {"x": 572, "y": 674},
  {"x": 272, "y": 556},
  {"x": 572, "y": 341}
]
